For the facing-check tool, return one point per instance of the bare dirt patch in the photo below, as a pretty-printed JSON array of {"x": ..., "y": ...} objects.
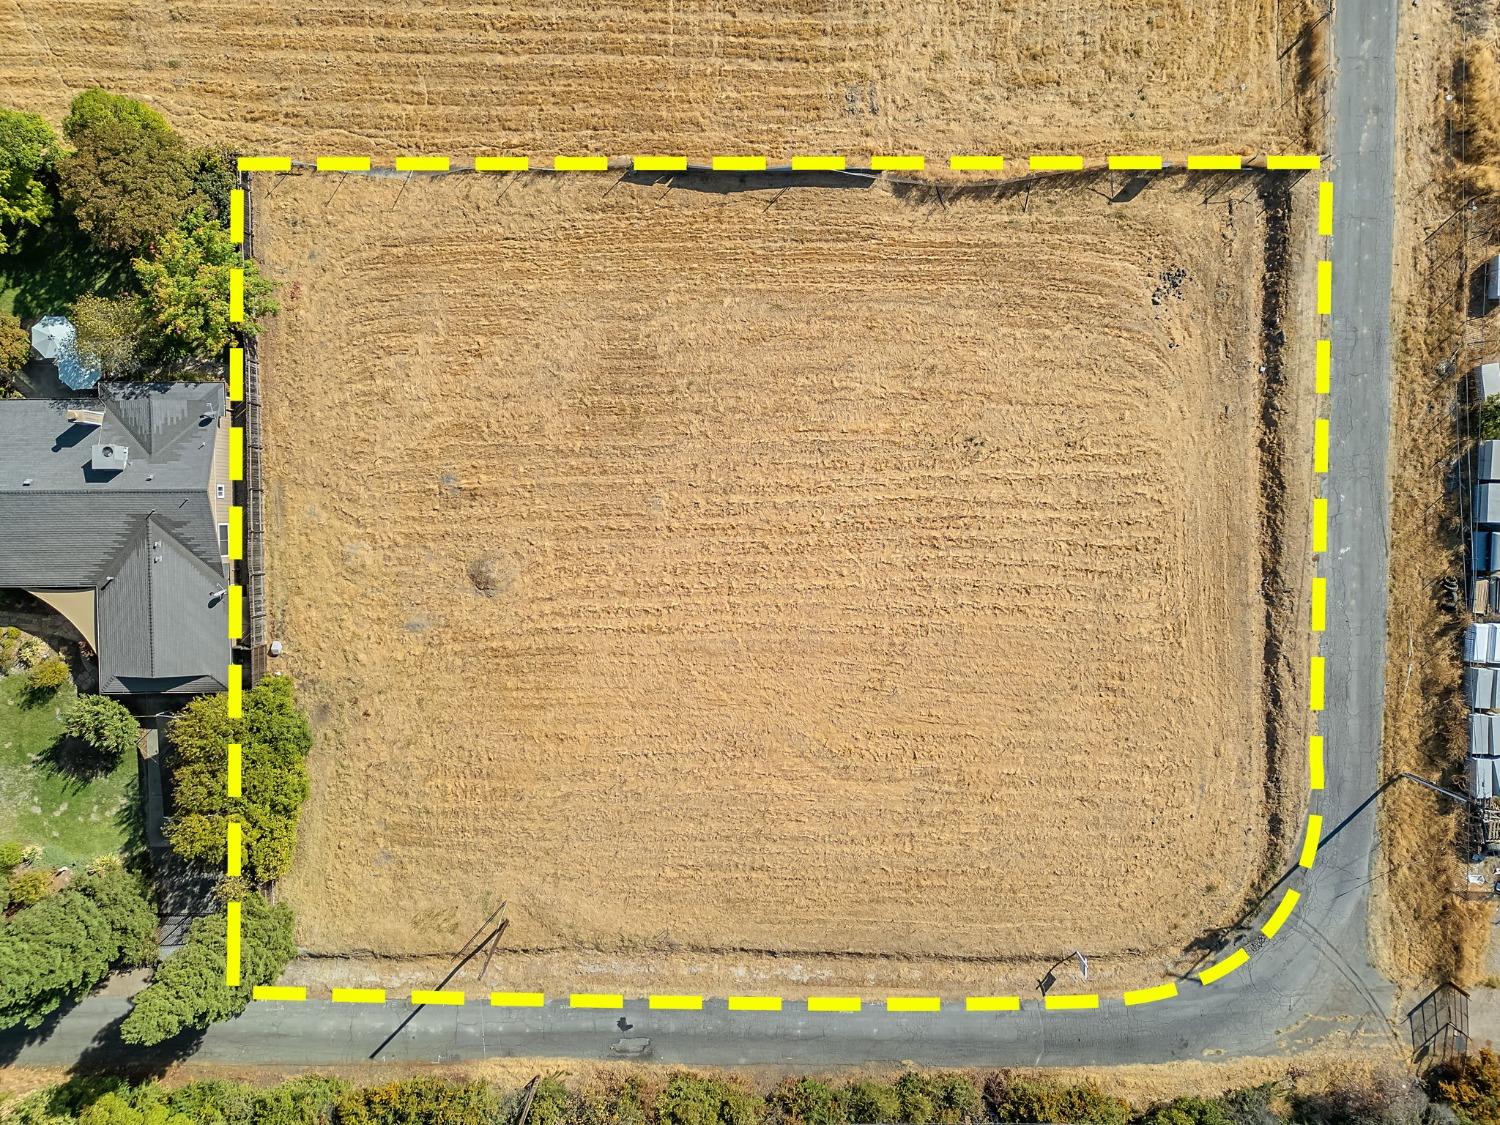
[
  {"x": 858, "y": 576},
  {"x": 467, "y": 76}
]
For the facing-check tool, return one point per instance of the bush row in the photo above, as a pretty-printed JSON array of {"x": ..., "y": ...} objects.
[{"x": 914, "y": 1098}]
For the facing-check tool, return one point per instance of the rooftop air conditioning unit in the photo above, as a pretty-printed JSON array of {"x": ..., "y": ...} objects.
[{"x": 110, "y": 458}]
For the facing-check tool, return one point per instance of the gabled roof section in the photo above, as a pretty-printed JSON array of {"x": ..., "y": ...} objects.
[
  {"x": 157, "y": 415},
  {"x": 163, "y": 617}
]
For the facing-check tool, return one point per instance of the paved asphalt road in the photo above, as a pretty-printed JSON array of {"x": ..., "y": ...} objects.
[{"x": 1313, "y": 979}]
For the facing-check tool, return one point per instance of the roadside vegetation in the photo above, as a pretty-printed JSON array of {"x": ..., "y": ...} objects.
[
  {"x": 119, "y": 224},
  {"x": 1391, "y": 1097}
]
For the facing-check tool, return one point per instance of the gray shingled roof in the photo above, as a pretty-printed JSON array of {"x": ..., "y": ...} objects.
[{"x": 71, "y": 527}]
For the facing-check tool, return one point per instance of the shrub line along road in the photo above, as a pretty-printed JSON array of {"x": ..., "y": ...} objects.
[{"x": 1314, "y": 979}]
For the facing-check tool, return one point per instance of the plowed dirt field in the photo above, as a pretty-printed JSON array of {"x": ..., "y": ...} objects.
[
  {"x": 715, "y": 574},
  {"x": 304, "y": 77}
]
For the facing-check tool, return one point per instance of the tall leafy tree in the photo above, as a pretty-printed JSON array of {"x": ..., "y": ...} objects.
[
  {"x": 188, "y": 990},
  {"x": 103, "y": 723},
  {"x": 130, "y": 177},
  {"x": 111, "y": 332},
  {"x": 28, "y": 149},
  {"x": 60, "y": 948},
  {"x": 15, "y": 348},
  {"x": 186, "y": 287}
]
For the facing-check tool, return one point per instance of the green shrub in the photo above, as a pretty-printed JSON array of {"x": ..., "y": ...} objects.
[
  {"x": 418, "y": 1101},
  {"x": 29, "y": 886},
  {"x": 108, "y": 728},
  {"x": 140, "y": 1107},
  {"x": 613, "y": 1101},
  {"x": 10, "y": 646},
  {"x": 552, "y": 1104},
  {"x": 871, "y": 1101},
  {"x": 937, "y": 1099},
  {"x": 807, "y": 1101},
  {"x": 1009, "y": 1098},
  {"x": 1471, "y": 1085},
  {"x": 690, "y": 1099},
  {"x": 10, "y": 857},
  {"x": 1189, "y": 1111},
  {"x": 47, "y": 677},
  {"x": 32, "y": 652},
  {"x": 275, "y": 739}
]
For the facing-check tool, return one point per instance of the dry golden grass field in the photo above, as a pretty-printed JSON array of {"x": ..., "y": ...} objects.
[
  {"x": 864, "y": 577},
  {"x": 702, "y": 76}
]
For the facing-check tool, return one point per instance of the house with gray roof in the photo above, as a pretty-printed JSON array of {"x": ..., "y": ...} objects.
[{"x": 115, "y": 511}]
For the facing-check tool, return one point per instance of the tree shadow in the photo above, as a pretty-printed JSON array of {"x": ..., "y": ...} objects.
[
  {"x": 53, "y": 265},
  {"x": 77, "y": 762}
]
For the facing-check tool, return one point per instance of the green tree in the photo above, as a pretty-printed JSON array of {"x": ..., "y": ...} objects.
[
  {"x": 46, "y": 677},
  {"x": 15, "y": 346},
  {"x": 188, "y": 990},
  {"x": 274, "y": 739},
  {"x": 64, "y": 945},
  {"x": 108, "y": 728},
  {"x": 128, "y": 180},
  {"x": 29, "y": 886},
  {"x": 111, "y": 332},
  {"x": 28, "y": 149},
  {"x": 418, "y": 1101},
  {"x": 186, "y": 287}
]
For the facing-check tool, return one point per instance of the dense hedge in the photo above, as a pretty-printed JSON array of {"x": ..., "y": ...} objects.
[
  {"x": 914, "y": 1098},
  {"x": 275, "y": 739}
]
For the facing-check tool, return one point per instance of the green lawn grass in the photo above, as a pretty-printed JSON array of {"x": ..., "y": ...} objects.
[{"x": 42, "y": 799}]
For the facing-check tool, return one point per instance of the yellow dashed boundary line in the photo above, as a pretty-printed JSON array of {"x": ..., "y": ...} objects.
[
  {"x": 359, "y": 996},
  {"x": 974, "y": 162},
  {"x": 830, "y": 1004},
  {"x": 236, "y": 608},
  {"x": 596, "y": 1000},
  {"x": 447, "y": 996},
  {"x": 675, "y": 1003},
  {"x": 1282, "y": 913},
  {"x": 1310, "y": 841},
  {"x": 580, "y": 164},
  {"x": 232, "y": 945},
  {"x": 1221, "y": 969},
  {"x": 278, "y": 992},
  {"x": 1150, "y": 995}
]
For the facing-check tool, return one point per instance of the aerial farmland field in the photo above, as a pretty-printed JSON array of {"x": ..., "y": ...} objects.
[
  {"x": 460, "y": 77},
  {"x": 821, "y": 584}
]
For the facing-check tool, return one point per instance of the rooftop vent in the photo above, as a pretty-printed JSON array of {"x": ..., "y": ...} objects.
[
  {"x": 86, "y": 417},
  {"x": 110, "y": 458}
]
